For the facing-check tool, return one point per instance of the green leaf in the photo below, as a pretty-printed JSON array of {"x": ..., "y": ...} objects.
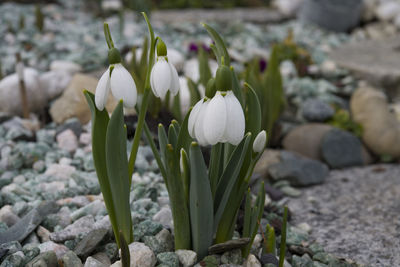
[
  {"x": 163, "y": 141},
  {"x": 204, "y": 68},
  {"x": 176, "y": 107},
  {"x": 172, "y": 135},
  {"x": 118, "y": 171},
  {"x": 100, "y": 121},
  {"x": 194, "y": 92},
  {"x": 125, "y": 254},
  {"x": 156, "y": 154},
  {"x": 184, "y": 138},
  {"x": 185, "y": 173},
  {"x": 216, "y": 166},
  {"x": 201, "y": 203},
  {"x": 253, "y": 111},
  {"x": 247, "y": 217},
  {"x": 237, "y": 90},
  {"x": 219, "y": 44},
  {"x": 271, "y": 240},
  {"x": 228, "y": 179},
  {"x": 282, "y": 249}
]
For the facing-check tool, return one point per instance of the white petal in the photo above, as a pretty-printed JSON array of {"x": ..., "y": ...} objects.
[
  {"x": 161, "y": 77},
  {"x": 260, "y": 142},
  {"x": 199, "y": 125},
  {"x": 174, "y": 86},
  {"x": 193, "y": 117},
  {"x": 235, "y": 124},
  {"x": 123, "y": 86},
  {"x": 102, "y": 90},
  {"x": 152, "y": 82},
  {"x": 215, "y": 119}
]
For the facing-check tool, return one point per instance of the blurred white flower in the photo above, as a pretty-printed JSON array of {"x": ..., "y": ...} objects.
[
  {"x": 260, "y": 141},
  {"x": 121, "y": 84},
  {"x": 164, "y": 77}
]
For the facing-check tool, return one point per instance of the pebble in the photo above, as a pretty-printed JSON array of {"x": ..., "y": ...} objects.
[
  {"x": 252, "y": 261},
  {"x": 47, "y": 258},
  {"x": 92, "y": 262},
  {"x": 186, "y": 257},
  {"x": 67, "y": 140},
  {"x": 315, "y": 110},
  {"x": 70, "y": 259},
  {"x": 90, "y": 242},
  {"x": 168, "y": 259},
  {"x": 7, "y": 215},
  {"x": 82, "y": 225},
  {"x": 141, "y": 255}
]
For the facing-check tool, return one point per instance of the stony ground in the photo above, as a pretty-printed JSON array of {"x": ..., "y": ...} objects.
[{"x": 355, "y": 214}]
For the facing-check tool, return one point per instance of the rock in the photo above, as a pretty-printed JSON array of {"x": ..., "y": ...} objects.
[
  {"x": 341, "y": 149},
  {"x": 252, "y": 261},
  {"x": 67, "y": 140},
  {"x": 43, "y": 234},
  {"x": 65, "y": 66},
  {"x": 298, "y": 170},
  {"x": 72, "y": 103},
  {"x": 228, "y": 245},
  {"x": 94, "y": 208},
  {"x": 168, "y": 258},
  {"x": 61, "y": 172},
  {"x": 73, "y": 124},
  {"x": 13, "y": 260},
  {"x": 7, "y": 215},
  {"x": 290, "y": 191},
  {"x": 146, "y": 227},
  {"x": 186, "y": 257},
  {"x": 388, "y": 10},
  {"x": 48, "y": 258},
  {"x": 232, "y": 257},
  {"x": 102, "y": 257},
  {"x": 306, "y": 139},
  {"x": 92, "y": 262},
  {"x": 11, "y": 247},
  {"x": 269, "y": 259},
  {"x": 30, "y": 252},
  {"x": 381, "y": 129},
  {"x": 10, "y": 100},
  {"x": 288, "y": 7},
  {"x": 164, "y": 216},
  {"x": 315, "y": 110},
  {"x": 376, "y": 61},
  {"x": 304, "y": 261},
  {"x": 83, "y": 225},
  {"x": 59, "y": 249},
  {"x": 70, "y": 259},
  {"x": 141, "y": 255},
  {"x": 90, "y": 241},
  {"x": 54, "y": 83},
  {"x": 162, "y": 242},
  {"x": 20, "y": 230},
  {"x": 269, "y": 157}
]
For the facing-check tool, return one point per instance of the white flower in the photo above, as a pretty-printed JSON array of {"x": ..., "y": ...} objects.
[
  {"x": 218, "y": 120},
  {"x": 164, "y": 77},
  {"x": 121, "y": 84},
  {"x": 260, "y": 142}
]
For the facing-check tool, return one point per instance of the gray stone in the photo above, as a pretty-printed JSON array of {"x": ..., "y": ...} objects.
[
  {"x": 28, "y": 223},
  {"x": 8, "y": 216},
  {"x": 304, "y": 261},
  {"x": 316, "y": 110},
  {"x": 11, "y": 247},
  {"x": 168, "y": 258},
  {"x": 232, "y": 257},
  {"x": 341, "y": 149},
  {"x": 94, "y": 208},
  {"x": 228, "y": 245},
  {"x": 102, "y": 257},
  {"x": 92, "y": 262},
  {"x": 374, "y": 61},
  {"x": 146, "y": 227},
  {"x": 83, "y": 225},
  {"x": 269, "y": 259},
  {"x": 186, "y": 257},
  {"x": 47, "y": 258},
  {"x": 298, "y": 170},
  {"x": 13, "y": 260},
  {"x": 70, "y": 259},
  {"x": 141, "y": 255},
  {"x": 252, "y": 261},
  {"x": 30, "y": 252},
  {"x": 350, "y": 210},
  {"x": 164, "y": 216},
  {"x": 59, "y": 249},
  {"x": 90, "y": 242}
]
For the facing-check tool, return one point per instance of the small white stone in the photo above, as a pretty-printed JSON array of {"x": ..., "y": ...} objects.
[
  {"x": 388, "y": 10},
  {"x": 252, "y": 261},
  {"x": 8, "y": 216},
  {"x": 186, "y": 257},
  {"x": 92, "y": 262},
  {"x": 20, "y": 179},
  {"x": 164, "y": 216},
  {"x": 43, "y": 233},
  {"x": 141, "y": 255},
  {"x": 305, "y": 227},
  {"x": 59, "y": 249},
  {"x": 85, "y": 138},
  {"x": 62, "y": 172},
  {"x": 65, "y": 66},
  {"x": 67, "y": 140}
]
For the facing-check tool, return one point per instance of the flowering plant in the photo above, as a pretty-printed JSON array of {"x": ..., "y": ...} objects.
[{"x": 204, "y": 199}]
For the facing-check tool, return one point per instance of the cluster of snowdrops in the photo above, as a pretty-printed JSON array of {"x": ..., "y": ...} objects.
[{"x": 204, "y": 198}]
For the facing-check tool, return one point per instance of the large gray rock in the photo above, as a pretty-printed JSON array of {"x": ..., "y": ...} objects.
[
  {"x": 315, "y": 110},
  {"x": 341, "y": 149},
  {"x": 83, "y": 225},
  {"x": 298, "y": 170},
  {"x": 375, "y": 61},
  {"x": 20, "y": 230}
]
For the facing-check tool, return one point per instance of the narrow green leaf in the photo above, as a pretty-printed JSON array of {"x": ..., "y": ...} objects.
[
  {"x": 219, "y": 44},
  {"x": 201, "y": 203},
  {"x": 100, "y": 121},
  {"x": 253, "y": 111},
  {"x": 184, "y": 138},
  {"x": 176, "y": 107},
  {"x": 125, "y": 254},
  {"x": 271, "y": 240},
  {"x": 216, "y": 166},
  {"x": 194, "y": 92},
  {"x": 204, "y": 67},
  {"x": 247, "y": 215},
  {"x": 118, "y": 171},
  {"x": 185, "y": 173},
  {"x": 163, "y": 141},
  {"x": 237, "y": 90},
  {"x": 156, "y": 154},
  {"x": 282, "y": 249},
  {"x": 229, "y": 178},
  {"x": 172, "y": 135}
]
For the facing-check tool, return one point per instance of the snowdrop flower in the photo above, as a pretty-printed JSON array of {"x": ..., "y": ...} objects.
[
  {"x": 260, "y": 141},
  {"x": 163, "y": 76},
  {"x": 119, "y": 80},
  {"x": 219, "y": 119}
]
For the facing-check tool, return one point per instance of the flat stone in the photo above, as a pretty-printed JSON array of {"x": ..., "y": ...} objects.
[
  {"x": 341, "y": 149},
  {"x": 92, "y": 262},
  {"x": 350, "y": 210},
  {"x": 28, "y": 223},
  {"x": 70, "y": 259},
  {"x": 228, "y": 245},
  {"x": 298, "y": 170},
  {"x": 83, "y": 225},
  {"x": 168, "y": 259},
  {"x": 90, "y": 242},
  {"x": 375, "y": 61},
  {"x": 141, "y": 255},
  {"x": 252, "y": 261},
  {"x": 59, "y": 249},
  {"x": 48, "y": 258},
  {"x": 316, "y": 110}
]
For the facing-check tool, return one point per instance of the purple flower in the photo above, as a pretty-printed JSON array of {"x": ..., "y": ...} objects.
[{"x": 263, "y": 64}]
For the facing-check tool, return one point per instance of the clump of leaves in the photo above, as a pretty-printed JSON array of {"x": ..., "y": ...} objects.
[
  {"x": 342, "y": 120},
  {"x": 289, "y": 50}
]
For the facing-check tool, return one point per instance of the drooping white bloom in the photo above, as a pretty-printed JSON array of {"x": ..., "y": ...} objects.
[
  {"x": 164, "y": 77},
  {"x": 121, "y": 84},
  {"x": 260, "y": 142},
  {"x": 218, "y": 120}
]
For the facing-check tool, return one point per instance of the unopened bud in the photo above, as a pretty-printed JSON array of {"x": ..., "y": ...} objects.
[{"x": 260, "y": 142}]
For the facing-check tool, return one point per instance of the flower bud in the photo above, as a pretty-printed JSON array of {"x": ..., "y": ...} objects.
[
  {"x": 260, "y": 141},
  {"x": 223, "y": 78},
  {"x": 211, "y": 88},
  {"x": 161, "y": 48},
  {"x": 114, "y": 57}
]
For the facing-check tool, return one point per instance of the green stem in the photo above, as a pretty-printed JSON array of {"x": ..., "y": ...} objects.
[
  {"x": 107, "y": 34},
  {"x": 145, "y": 101},
  {"x": 282, "y": 249}
]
